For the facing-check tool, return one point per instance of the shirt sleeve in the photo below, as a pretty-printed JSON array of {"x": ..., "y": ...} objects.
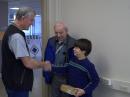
[
  {"x": 18, "y": 46},
  {"x": 49, "y": 53}
]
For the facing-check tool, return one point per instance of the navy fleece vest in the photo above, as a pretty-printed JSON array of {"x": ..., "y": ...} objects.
[{"x": 14, "y": 74}]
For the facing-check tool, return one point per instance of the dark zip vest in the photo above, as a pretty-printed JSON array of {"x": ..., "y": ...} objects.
[{"x": 15, "y": 75}]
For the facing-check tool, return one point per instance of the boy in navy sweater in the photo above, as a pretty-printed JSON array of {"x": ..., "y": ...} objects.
[{"x": 80, "y": 72}]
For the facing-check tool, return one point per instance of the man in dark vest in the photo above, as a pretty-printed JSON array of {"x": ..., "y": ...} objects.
[{"x": 17, "y": 65}]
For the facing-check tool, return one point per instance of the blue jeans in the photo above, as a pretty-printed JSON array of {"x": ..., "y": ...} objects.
[{"x": 14, "y": 93}]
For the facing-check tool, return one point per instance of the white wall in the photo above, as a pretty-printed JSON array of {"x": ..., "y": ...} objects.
[{"x": 106, "y": 23}]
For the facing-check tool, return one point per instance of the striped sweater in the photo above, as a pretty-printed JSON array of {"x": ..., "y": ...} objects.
[{"x": 81, "y": 74}]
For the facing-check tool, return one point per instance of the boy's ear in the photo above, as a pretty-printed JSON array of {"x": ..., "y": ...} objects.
[{"x": 85, "y": 53}]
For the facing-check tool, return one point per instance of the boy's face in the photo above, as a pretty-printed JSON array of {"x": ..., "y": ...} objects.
[{"x": 78, "y": 52}]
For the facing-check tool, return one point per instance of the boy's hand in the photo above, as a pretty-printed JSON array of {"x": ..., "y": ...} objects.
[
  {"x": 68, "y": 89},
  {"x": 79, "y": 92},
  {"x": 47, "y": 66}
]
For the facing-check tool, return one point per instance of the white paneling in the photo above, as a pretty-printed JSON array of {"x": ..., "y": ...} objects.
[{"x": 58, "y": 10}]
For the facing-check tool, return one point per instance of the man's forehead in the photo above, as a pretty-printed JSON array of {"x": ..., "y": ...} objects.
[{"x": 59, "y": 27}]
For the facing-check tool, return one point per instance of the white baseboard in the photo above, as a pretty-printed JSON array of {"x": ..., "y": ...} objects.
[{"x": 120, "y": 85}]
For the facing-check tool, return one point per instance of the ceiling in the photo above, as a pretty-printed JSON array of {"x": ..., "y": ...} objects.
[
  {"x": 35, "y": 4},
  {"x": 16, "y": 0},
  {"x": 10, "y": 0}
]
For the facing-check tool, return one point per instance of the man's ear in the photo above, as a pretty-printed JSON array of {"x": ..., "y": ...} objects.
[{"x": 23, "y": 17}]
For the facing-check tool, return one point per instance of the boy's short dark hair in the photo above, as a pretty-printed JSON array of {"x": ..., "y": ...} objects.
[{"x": 84, "y": 45}]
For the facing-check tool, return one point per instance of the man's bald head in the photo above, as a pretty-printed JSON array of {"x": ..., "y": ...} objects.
[{"x": 61, "y": 30}]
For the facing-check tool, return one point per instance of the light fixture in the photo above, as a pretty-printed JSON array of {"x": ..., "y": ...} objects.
[
  {"x": 14, "y": 8},
  {"x": 38, "y": 15}
]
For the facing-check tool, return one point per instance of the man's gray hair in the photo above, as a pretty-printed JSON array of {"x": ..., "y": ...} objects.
[
  {"x": 25, "y": 12},
  {"x": 61, "y": 23}
]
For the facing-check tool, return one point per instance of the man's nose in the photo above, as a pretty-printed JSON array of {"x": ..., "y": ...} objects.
[{"x": 58, "y": 35}]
